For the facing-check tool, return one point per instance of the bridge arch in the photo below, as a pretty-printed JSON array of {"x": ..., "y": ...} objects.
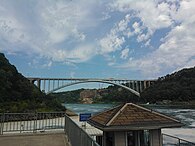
[{"x": 101, "y": 81}]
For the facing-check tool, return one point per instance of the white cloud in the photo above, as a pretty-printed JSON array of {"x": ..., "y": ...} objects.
[
  {"x": 79, "y": 54},
  {"x": 49, "y": 64},
  {"x": 60, "y": 22},
  {"x": 51, "y": 29},
  {"x": 35, "y": 63},
  {"x": 114, "y": 40},
  {"x": 124, "y": 53},
  {"x": 105, "y": 16},
  {"x": 152, "y": 14},
  {"x": 75, "y": 31},
  {"x": 136, "y": 27},
  {"x": 72, "y": 74},
  {"x": 111, "y": 43},
  {"x": 177, "y": 49}
]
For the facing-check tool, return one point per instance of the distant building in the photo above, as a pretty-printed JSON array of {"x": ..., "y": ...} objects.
[{"x": 87, "y": 96}]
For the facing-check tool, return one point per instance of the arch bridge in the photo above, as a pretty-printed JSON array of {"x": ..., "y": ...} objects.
[{"x": 49, "y": 85}]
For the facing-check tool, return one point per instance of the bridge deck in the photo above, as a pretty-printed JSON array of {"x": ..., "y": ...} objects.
[{"x": 43, "y": 139}]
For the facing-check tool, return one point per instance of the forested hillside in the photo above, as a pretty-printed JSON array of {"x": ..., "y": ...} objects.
[
  {"x": 179, "y": 86},
  {"x": 17, "y": 94},
  {"x": 111, "y": 94}
]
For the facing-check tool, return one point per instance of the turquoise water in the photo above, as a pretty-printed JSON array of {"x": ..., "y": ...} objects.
[{"x": 88, "y": 108}]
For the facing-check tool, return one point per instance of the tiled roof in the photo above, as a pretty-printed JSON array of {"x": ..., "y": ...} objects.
[{"x": 131, "y": 116}]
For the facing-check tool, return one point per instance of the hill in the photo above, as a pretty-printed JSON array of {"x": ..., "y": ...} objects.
[
  {"x": 179, "y": 86},
  {"x": 17, "y": 94}
]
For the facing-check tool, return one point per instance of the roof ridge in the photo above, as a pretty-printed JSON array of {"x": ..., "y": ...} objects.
[
  {"x": 116, "y": 114},
  {"x": 107, "y": 110},
  {"x": 156, "y": 112},
  {"x": 132, "y": 116}
]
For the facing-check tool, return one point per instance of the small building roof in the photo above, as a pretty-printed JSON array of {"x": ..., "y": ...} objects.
[{"x": 132, "y": 117}]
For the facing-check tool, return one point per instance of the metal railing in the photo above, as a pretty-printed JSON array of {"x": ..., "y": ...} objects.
[
  {"x": 76, "y": 135},
  {"x": 40, "y": 122},
  {"x": 169, "y": 140},
  {"x": 31, "y": 122}
]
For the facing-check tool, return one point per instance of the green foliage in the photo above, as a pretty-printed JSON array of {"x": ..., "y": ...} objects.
[
  {"x": 179, "y": 86},
  {"x": 69, "y": 96},
  {"x": 117, "y": 94},
  {"x": 17, "y": 94},
  {"x": 112, "y": 94}
]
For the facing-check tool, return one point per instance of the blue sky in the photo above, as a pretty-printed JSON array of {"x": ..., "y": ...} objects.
[{"x": 130, "y": 39}]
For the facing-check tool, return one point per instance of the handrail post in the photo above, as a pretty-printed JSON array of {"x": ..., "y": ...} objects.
[
  {"x": 65, "y": 124},
  {"x": 35, "y": 123},
  {"x": 1, "y": 124},
  {"x": 2, "y": 120}
]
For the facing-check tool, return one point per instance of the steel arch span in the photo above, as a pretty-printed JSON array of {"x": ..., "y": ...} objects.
[
  {"x": 87, "y": 81},
  {"x": 49, "y": 85}
]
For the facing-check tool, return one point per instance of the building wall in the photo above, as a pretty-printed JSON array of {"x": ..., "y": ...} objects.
[
  {"x": 155, "y": 137},
  {"x": 120, "y": 138}
]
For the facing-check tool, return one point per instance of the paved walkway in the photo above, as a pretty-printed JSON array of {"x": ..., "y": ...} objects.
[{"x": 45, "y": 139}]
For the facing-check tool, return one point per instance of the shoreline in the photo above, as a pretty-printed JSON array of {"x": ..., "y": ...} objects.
[{"x": 172, "y": 104}]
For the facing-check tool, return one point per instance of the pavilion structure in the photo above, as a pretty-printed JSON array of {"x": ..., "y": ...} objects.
[{"x": 132, "y": 125}]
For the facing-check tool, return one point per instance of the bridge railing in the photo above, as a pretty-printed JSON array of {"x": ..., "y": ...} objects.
[
  {"x": 77, "y": 135},
  {"x": 169, "y": 140}
]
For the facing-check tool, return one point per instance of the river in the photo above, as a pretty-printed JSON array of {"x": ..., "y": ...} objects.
[{"x": 185, "y": 115}]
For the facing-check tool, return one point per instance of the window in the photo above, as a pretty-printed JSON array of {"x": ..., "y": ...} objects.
[
  {"x": 130, "y": 138},
  {"x": 146, "y": 138},
  {"x": 109, "y": 139}
]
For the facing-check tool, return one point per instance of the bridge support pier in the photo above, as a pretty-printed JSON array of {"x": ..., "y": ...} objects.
[
  {"x": 37, "y": 80},
  {"x": 140, "y": 86},
  {"x": 39, "y": 83},
  {"x": 145, "y": 84}
]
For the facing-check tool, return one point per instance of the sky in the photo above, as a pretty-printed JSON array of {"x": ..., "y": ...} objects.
[{"x": 126, "y": 39}]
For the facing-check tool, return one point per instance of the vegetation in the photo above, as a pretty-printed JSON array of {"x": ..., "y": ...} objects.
[
  {"x": 177, "y": 87},
  {"x": 116, "y": 94},
  {"x": 69, "y": 96},
  {"x": 17, "y": 94},
  {"x": 111, "y": 94}
]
